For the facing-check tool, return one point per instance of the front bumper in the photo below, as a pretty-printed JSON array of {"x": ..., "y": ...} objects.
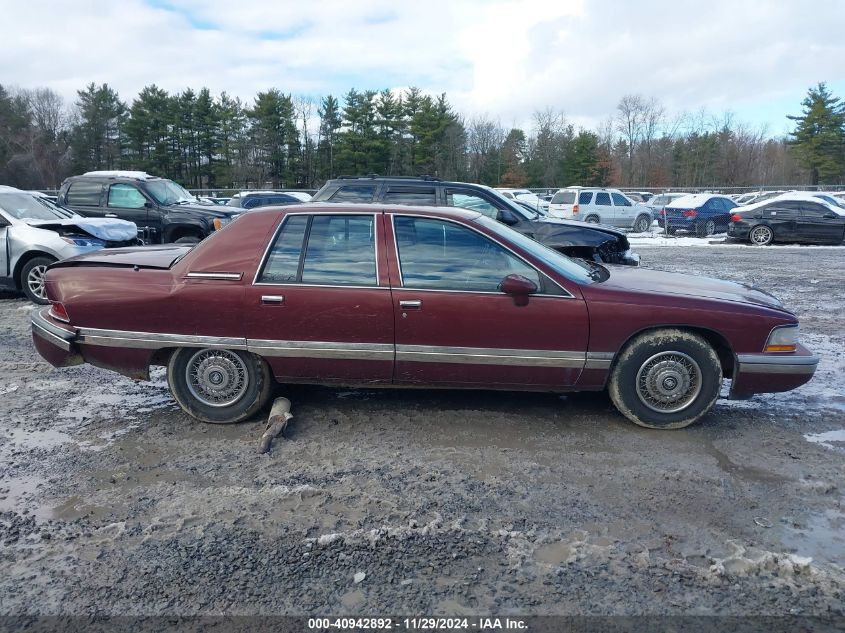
[{"x": 772, "y": 373}]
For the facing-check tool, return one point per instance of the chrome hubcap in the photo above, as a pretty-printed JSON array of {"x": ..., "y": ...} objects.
[
  {"x": 710, "y": 227},
  {"x": 35, "y": 281},
  {"x": 760, "y": 235},
  {"x": 669, "y": 382},
  {"x": 217, "y": 378}
]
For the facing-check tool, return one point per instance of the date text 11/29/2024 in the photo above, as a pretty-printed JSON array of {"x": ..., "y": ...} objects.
[{"x": 418, "y": 624}]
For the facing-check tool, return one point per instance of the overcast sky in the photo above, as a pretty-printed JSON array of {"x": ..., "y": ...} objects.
[{"x": 505, "y": 59}]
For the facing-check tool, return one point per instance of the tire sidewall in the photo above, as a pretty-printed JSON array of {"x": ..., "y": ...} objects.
[
  {"x": 25, "y": 269},
  {"x": 256, "y": 396},
  {"x": 592, "y": 219},
  {"x": 771, "y": 235},
  {"x": 624, "y": 377},
  {"x": 637, "y": 222}
]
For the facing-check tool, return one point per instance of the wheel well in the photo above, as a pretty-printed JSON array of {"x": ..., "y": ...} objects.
[
  {"x": 162, "y": 356},
  {"x": 718, "y": 342},
  {"x": 185, "y": 231},
  {"x": 22, "y": 262},
  {"x": 592, "y": 215}
]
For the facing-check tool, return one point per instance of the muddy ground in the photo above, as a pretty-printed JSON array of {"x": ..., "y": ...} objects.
[{"x": 113, "y": 501}]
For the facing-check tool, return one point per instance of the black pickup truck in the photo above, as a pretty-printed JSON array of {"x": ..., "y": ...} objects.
[{"x": 163, "y": 210}]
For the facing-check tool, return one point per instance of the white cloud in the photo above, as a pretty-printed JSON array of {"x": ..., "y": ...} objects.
[{"x": 504, "y": 58}]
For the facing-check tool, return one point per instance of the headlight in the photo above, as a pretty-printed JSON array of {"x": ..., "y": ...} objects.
[
  {"x": 219, "y": 223},
  {"x": 783, "y": 339},
  {"x": 84, "y": 241}
]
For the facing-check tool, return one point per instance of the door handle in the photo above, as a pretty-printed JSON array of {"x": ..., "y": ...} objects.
[
  {"x": 111, "y": 215},
  {"x": 272, "y": 299},
  {"x": 411, "y": 304}
]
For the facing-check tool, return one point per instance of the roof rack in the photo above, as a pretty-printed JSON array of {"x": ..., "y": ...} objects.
[{"x": 374, "y": 176}]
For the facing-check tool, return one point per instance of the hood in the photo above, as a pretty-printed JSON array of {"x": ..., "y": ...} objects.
[
  {"x": 210, "y": 209},
  {"x": 556, "y": 232},
  {"x": 140, "y": 256},
  {"x": 638, "y": 279},
  {"x": 109, "y": 229}
]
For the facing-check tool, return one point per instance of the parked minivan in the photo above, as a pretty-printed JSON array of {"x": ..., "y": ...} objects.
[{"x": 600, "y": 206}]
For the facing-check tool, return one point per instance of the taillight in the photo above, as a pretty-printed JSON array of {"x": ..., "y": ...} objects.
[
  {"x": 663, "y": 211},
  {"x": 574, "y": 209},
  {"x": 58, "y": 312},
  {"x": 736, "y": 217},
  {"x": 691, "y": 213}
]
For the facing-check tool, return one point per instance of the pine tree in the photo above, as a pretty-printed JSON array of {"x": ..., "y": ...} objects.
[
  {"x": 99, "y": 138},
  {"x": 819, "y": 137}
]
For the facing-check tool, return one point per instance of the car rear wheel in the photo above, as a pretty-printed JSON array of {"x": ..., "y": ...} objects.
[
  {"x": 32, "y": 279},
  {"x": 761, "y": 235},
  {"x": 218, "y": 385},
  {"x": 666, "y": 379},
  {"x": 642, "y": 223},
  {"x": 592, "y": 219},
  {"x": 706, "y": 228}
]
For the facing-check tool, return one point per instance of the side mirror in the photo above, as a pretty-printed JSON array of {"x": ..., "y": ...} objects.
[
  {"x": 148, "y": 205},
  {"x": 506, "y": 217},
  {"x": 519, "y": 288}
]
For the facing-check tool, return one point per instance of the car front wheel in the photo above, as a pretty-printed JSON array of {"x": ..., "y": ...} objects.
[
  {"x": 219, "y": 386},
  {"x": 761, "y": 235},
  {"x": 32, "y": 279},
  {"x": 666, "y": 379}
]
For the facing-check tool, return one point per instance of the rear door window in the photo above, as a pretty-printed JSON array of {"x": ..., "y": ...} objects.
[
  {"x": 602, "y": 199},
  {"x": 354, "y": 193},
  {"x": 584, "y": 197},
  {"x": 84, "y": 194}
]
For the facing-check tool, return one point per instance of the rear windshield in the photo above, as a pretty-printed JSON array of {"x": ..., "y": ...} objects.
[{"x": 564, "y": 197}]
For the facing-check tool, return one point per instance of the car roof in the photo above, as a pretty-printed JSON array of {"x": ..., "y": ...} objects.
[
  {"x": 806, "y": 196},
  {"x": 8, "y": 189},
  {"x": 695, "y": 199},
  {"x": 120, "y": 173}
]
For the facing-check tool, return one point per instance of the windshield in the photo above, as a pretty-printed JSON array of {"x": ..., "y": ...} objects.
[
  {"x": 25, "y": 206},
  {"x": 567, "y": 267},
  {"x": 168, "y": 192}
]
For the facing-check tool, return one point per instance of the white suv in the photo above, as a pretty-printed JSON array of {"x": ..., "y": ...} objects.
[{"x": 600, "y": 206}]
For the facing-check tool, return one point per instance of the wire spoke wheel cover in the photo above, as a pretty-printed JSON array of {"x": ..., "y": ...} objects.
[
  {"x": 35, "y": 281},
  {"x": 217, "y": 378},
  {"x": 761, "y": 235},
  {"x": 668, "y": 382}
]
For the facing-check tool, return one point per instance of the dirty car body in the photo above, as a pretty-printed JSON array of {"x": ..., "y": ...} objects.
[
  {"x": 412, "y": 296},
  {"x": 33, "y": 229}
]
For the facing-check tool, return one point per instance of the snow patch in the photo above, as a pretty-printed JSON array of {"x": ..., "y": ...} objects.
[{"x": 829, "y": 439}]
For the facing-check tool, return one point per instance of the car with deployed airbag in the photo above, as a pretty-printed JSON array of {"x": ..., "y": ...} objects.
[{"x": 35, "y": 232}]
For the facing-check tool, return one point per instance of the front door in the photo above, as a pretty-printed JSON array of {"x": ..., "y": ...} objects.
[
  {"x": 319, "y": 307},
  {"x": 127, "y": 203},
  {"x": 819, "y": 224},
  {"x": 454, "y": 327},
  {"x": 623, "y": 211}
]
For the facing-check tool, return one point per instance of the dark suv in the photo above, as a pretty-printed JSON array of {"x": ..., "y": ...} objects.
[
  {"x": 573, "y": 238},
  {"x": 162, "y": 209}
]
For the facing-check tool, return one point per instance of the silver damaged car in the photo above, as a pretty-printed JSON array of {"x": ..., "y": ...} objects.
[{"x": 35, "y": 232}]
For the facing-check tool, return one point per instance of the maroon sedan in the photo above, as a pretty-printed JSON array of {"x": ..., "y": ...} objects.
[{"x": 376, "y": 295}]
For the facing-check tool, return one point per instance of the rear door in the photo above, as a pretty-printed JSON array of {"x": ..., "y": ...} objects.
[
  {"x": 601, "y": 207},
  {"x": 319, "y": 308},
  {"x": 85, "y": 197},
  {"x": 454, "y": 327}
]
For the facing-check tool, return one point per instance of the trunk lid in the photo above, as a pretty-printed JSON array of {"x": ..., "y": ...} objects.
[{"x": 160, "y": 257}]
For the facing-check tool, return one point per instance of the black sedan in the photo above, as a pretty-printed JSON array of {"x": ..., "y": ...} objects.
[{"x": 788, "y": 219}]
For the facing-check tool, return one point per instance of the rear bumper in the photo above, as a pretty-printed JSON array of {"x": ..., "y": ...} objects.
[
  {"x": 54, "y": 343},
  {"x": 771, "y": 373}
]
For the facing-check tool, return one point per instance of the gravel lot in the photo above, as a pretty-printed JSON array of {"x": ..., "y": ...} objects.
[{"x": 112, "y": 501}]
